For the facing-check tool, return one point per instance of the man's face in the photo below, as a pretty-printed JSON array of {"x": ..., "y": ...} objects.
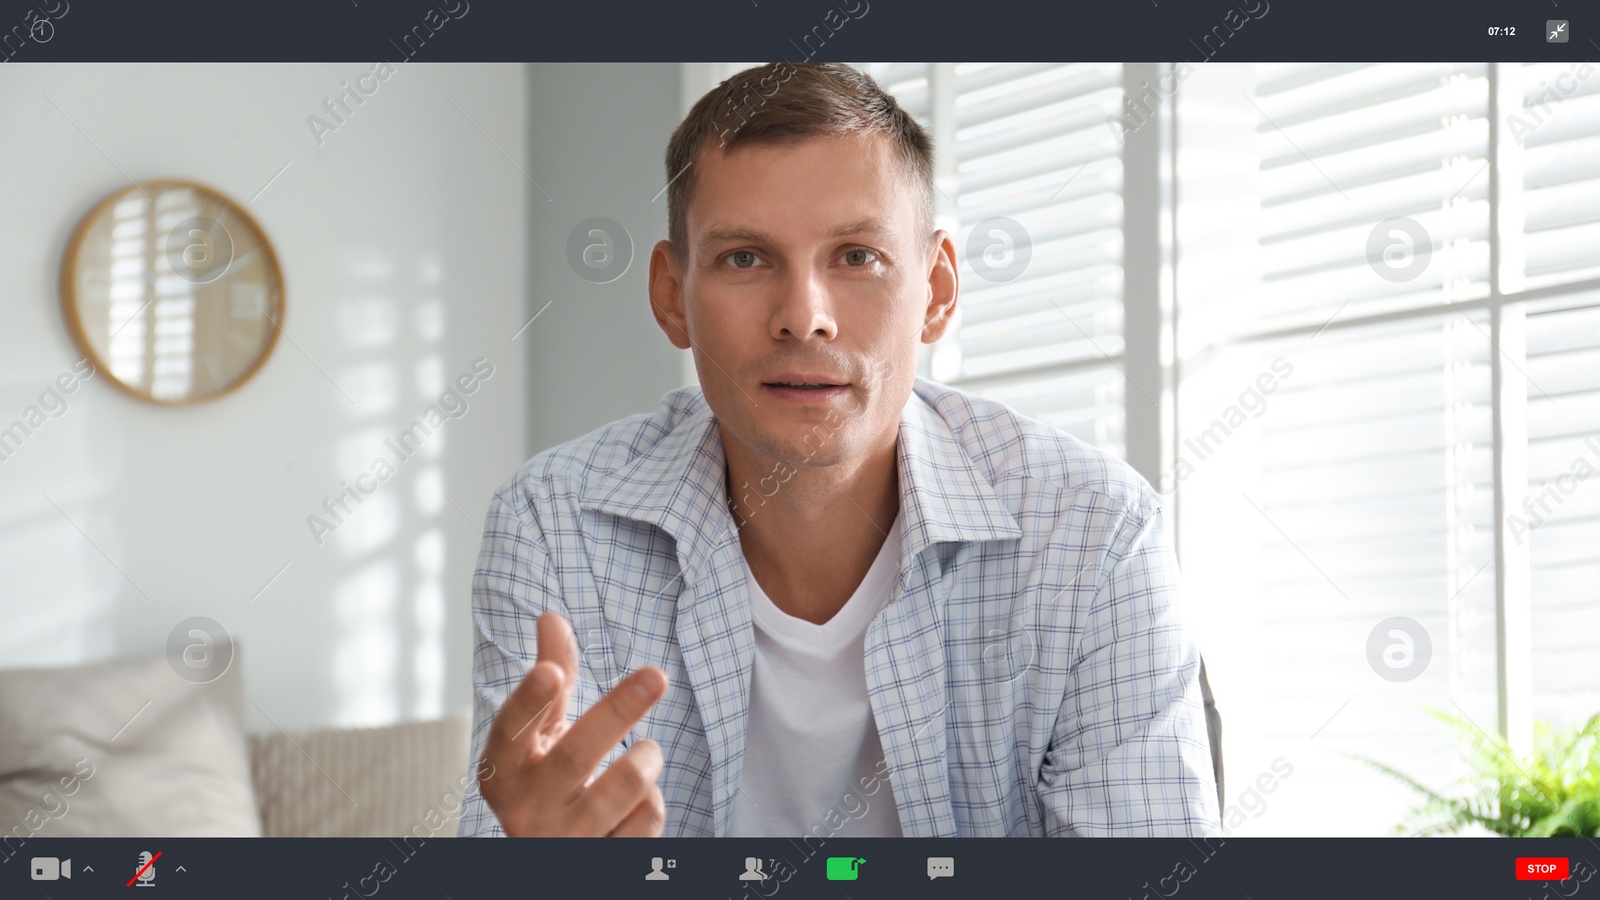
[{"x": 805, "y": 292}]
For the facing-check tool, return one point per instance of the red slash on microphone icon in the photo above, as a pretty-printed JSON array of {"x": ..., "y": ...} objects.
[{"x": 146, "y": 876}]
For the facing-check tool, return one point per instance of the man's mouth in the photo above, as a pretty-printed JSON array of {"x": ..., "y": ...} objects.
[
  {"x": 806, "y": 387},
  {"x": 804, "y": 380}
]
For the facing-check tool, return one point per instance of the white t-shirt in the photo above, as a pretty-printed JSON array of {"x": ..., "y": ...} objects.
[{"x": 812, "y": 758}]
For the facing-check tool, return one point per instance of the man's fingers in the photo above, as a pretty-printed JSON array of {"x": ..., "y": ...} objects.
[
  {"x": 557, "y": 644},
  {"x": 622, "y": 786},
  {"x": 530, "y": 701},
  {"x": 590, "y": 738},
  {"x": 648, "y": 819},
  {"x": 549, "y": 684}
]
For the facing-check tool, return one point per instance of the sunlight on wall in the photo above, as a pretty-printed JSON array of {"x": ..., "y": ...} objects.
[
  {"x": 389, "y": 659},
  {"x": 428, "y": 662},
  {"x": 367, "y": 656}
]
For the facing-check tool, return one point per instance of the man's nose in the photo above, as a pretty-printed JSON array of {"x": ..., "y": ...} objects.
[{"x": 805, "y": 308}]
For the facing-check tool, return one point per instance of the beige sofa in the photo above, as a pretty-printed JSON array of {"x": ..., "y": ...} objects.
[
  {"x": 382, "y": 782},
  {"x": 127, "y": 747}
]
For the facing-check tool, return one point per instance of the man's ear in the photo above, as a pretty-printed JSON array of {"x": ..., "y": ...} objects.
[
  {"x": 666, "y": 295},
  {"x": 944, "y": 285}
]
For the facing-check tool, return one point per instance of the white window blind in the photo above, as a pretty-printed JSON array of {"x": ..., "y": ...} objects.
[
  {"x": 1561, "y": 520},
  {"x": 1368, "y": 486},
  {"x": 1369, "y": 497},
  {"x": 1558, "y": 129},
  {"x": 1035, "y": 175},
  {"x": 1554, "y": 226},
  {"x": 1346, "y": 147},
  {"x": 1375, "y": 493}
]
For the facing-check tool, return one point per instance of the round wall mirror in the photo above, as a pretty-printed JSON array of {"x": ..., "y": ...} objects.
[{"x": 172, "y": 290}]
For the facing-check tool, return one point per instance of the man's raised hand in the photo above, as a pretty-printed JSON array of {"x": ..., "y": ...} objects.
[{"x": 539, "y": 778}]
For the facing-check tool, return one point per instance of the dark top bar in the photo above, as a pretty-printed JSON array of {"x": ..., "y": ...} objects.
[{"x": 795, "y": 30}]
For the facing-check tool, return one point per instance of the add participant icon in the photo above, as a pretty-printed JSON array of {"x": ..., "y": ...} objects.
[{"x": 656, "y": 873}]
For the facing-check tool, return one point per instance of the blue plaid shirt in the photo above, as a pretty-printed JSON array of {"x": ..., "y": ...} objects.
[{"x": 1034, "y": 673}]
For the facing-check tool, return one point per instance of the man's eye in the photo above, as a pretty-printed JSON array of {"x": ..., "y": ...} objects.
[
  {"x": 857, "y": 258},
  {"x": 743, "y": 259}
]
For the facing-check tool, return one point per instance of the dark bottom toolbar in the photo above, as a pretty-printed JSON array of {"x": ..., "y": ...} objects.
[{"x": 752, "y": 868}]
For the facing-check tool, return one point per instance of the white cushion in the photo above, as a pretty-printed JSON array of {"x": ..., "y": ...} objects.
[{"x": 123, "y": 748}]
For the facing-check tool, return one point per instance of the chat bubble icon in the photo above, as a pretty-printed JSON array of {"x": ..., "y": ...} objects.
[{"x": 941, "y": 867}]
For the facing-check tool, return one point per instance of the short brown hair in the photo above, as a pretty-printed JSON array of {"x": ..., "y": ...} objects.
[{"x": 785, "y": 102}]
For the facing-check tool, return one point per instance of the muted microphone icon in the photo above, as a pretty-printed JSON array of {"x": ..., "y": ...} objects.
[{"x": 146, "y": 870}]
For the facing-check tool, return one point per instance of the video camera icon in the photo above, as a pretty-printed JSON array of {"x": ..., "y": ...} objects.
[{"x": 50, "y": 868}]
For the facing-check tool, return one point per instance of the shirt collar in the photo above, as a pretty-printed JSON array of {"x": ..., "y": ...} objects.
[
  {"x": 944, "y": 496},
  {"x": 679, "y": 484}
]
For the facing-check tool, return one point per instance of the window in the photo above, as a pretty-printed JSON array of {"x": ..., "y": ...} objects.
[{"x": 1358, "y": 308}]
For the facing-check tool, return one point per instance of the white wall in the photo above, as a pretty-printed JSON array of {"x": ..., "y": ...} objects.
[{"x": 402, "y": 242}]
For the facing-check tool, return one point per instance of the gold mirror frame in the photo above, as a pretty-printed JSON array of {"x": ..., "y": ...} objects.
[{"x": 239, "y": 221}]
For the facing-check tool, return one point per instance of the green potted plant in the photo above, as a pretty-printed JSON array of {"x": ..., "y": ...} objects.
[{"x": 1552, "y": 792}]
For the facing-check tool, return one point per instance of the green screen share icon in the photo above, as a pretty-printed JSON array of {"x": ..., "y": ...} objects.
[{"x": 844, "y": 868}]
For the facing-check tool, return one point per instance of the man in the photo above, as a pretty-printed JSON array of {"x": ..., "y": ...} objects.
[{"x": 818, "y": 595}]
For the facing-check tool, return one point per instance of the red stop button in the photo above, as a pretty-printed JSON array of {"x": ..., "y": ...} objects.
[{"x": 1541, "y": 868}]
